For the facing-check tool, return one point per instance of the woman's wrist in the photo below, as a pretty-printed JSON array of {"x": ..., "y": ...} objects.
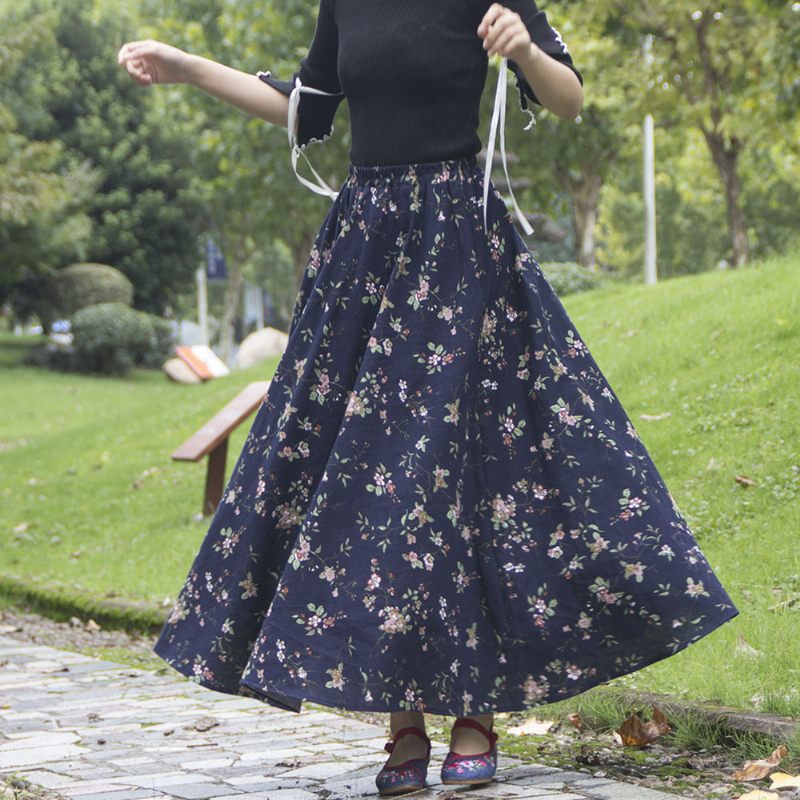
[
  {"x": 530, "y": 58},
  {"x": 192, "y": 69}
]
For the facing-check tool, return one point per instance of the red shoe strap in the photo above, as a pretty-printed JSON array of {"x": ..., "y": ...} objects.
[{"x": 389, "y": 746}]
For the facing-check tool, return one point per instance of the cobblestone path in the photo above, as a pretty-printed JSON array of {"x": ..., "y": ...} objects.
[{"x": 88, "y": 729}]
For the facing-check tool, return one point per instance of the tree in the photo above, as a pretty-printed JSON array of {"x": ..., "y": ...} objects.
[
  {"x": 703, "y": 76},
  {"x": 250, "y": 195},
  {"x": 41, "y": 221},
  {"x": 144, "y": 212}
]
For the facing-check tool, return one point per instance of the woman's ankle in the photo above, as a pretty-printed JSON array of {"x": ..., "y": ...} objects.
[
  {"x": 469, "y": 740},
  {"x": 406, "y": 719}
]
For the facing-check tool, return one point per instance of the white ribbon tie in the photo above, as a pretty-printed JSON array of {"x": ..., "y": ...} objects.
[
  {"x": 498, "y": 121},
  {"x": 321, "y": 187},
  {"x": 499, "y": 118}
]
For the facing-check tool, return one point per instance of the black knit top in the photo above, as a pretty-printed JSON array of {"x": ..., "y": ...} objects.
[{"x": 412, "y": 72}]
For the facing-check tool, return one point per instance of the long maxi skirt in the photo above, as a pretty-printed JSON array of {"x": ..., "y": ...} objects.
[{"x": 441, "y": 504}]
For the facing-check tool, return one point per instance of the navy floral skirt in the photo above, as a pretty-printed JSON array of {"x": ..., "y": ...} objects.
[{"x": 441, "y": 504}]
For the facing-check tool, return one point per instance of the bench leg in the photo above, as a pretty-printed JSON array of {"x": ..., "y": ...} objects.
[{"x": 215, "y": 477}]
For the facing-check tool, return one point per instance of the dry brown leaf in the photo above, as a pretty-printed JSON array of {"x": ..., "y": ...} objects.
[
  {"x": 745, "y": 648},
  {"x": 204, "y": 723},
  {"x": 743, "y": 480},
  {"x": 532, "y": 727},
  {"x": 635, "y": 733},
  {"x": 760, "y": 794},
  {"x": 783, "y": 780},
  {"x": 759, "y": 768},
  {"x": 577, "y": 720}
]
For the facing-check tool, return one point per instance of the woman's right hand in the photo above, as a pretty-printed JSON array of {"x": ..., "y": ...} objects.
[{"x": 149, "y": 62}]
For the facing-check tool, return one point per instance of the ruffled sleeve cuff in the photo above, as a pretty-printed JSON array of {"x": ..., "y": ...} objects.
[
  {"x": 524, "y": 88},
  {"x": 315, "y": 112},
  {"x": 549, "y": 39}
]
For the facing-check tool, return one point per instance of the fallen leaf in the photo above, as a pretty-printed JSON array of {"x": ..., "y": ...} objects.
[
  {"x": 294, "y": 761},
  {"x": 635, "y": 733},
  {"x": 587, "y": 756},
  {"x": 760, "y": 794},
  {"x": 743, "y": 480},
  {"x": 91, "y": 625},
  {"x": 204, "y": 723},
  {"x": 759, "y": 768},
  {"x": 577, "y": 720},
  {"x": 532, "y": 726},
  {"x": 782, "y": 780},
  {"x": 46, "y": 666},
  {"x": 746, "y": 649}
]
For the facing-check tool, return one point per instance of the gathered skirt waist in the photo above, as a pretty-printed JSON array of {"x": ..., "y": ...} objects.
[{"x": 453, "y": 167}]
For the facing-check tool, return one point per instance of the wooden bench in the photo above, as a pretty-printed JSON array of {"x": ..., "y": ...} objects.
[{"x": 212, "y": 440}]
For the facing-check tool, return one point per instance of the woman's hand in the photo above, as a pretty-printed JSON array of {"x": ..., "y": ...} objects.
[
  {"x": 149, "y": 62},
  {"x": 504, "y": 32}
]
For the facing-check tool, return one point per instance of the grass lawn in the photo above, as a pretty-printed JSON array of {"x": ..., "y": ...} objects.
[{"x": 716, "y": 354}]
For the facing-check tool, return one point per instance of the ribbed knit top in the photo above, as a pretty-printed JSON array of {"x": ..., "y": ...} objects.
[{"x": 413, "y": 74}]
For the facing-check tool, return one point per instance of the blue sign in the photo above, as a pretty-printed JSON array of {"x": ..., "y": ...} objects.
[{"x": 215, "y": 262}]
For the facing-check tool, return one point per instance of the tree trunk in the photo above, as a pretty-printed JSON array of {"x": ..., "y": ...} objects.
[
  {"x": 233, "y": 297},
  {"x": 726, "y": 160},
  {"x": 585, "y": 202}
]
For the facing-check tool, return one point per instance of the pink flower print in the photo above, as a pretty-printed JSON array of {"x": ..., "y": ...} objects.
[
  {"x": 634, "y": 570},
  {"x": 609, "y": 598},
  {"x": 534, "y": 689},
  {"x": 695, "y": 588},
  {"x": 502, "y": 510},
  {"x": 394, "y": 620},
  {"x": 574, "y": 672},
  {"x": 337, "y": 677},
  {"x": 287, "y": 515},
  {"x": 303, "y": 550}
]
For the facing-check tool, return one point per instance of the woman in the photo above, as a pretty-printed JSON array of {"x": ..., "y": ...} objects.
[{"x": 441, "y": 505}]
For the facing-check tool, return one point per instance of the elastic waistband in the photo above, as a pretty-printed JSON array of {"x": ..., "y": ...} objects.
[{"x": 454, "y": 166}]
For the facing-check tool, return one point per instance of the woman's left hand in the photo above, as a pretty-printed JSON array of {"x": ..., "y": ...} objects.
[{"x": 504, "y": 32}]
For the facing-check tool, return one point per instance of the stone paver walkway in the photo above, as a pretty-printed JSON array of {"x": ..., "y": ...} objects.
[{"x": 93, "y": 730}]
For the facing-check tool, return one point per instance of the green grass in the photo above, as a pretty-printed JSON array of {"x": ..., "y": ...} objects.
[
  {"x": 70, "y": 451},
  {"x": 718, "y": 352}
]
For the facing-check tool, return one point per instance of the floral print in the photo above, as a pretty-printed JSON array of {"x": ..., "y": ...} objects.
[{"x": 441, "y": 504}]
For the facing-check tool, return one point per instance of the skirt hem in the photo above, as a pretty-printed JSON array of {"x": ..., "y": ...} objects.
[{"x": 293, "y": 700}]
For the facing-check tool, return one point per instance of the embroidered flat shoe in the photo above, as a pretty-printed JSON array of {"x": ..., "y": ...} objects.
[
  {"x": 408, "y": 776},
  {"x": 475, "y": 768}
]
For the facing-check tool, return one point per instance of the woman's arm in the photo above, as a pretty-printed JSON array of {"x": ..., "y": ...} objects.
[
  {"x": 150, "y": 62},
  {"x": 556, "y": 86}
]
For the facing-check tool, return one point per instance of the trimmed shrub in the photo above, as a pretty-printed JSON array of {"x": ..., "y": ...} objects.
[
  {"x": 52, "y": 355},
  {"x": 86, "y": 284},
  {"x": 110, "y": 338},
  {"x": 567, "y": 277},
  {"x": 163, "y": 344}
]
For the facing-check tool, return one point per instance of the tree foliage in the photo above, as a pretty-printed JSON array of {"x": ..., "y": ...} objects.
[{"x": 143, "y": 209}]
